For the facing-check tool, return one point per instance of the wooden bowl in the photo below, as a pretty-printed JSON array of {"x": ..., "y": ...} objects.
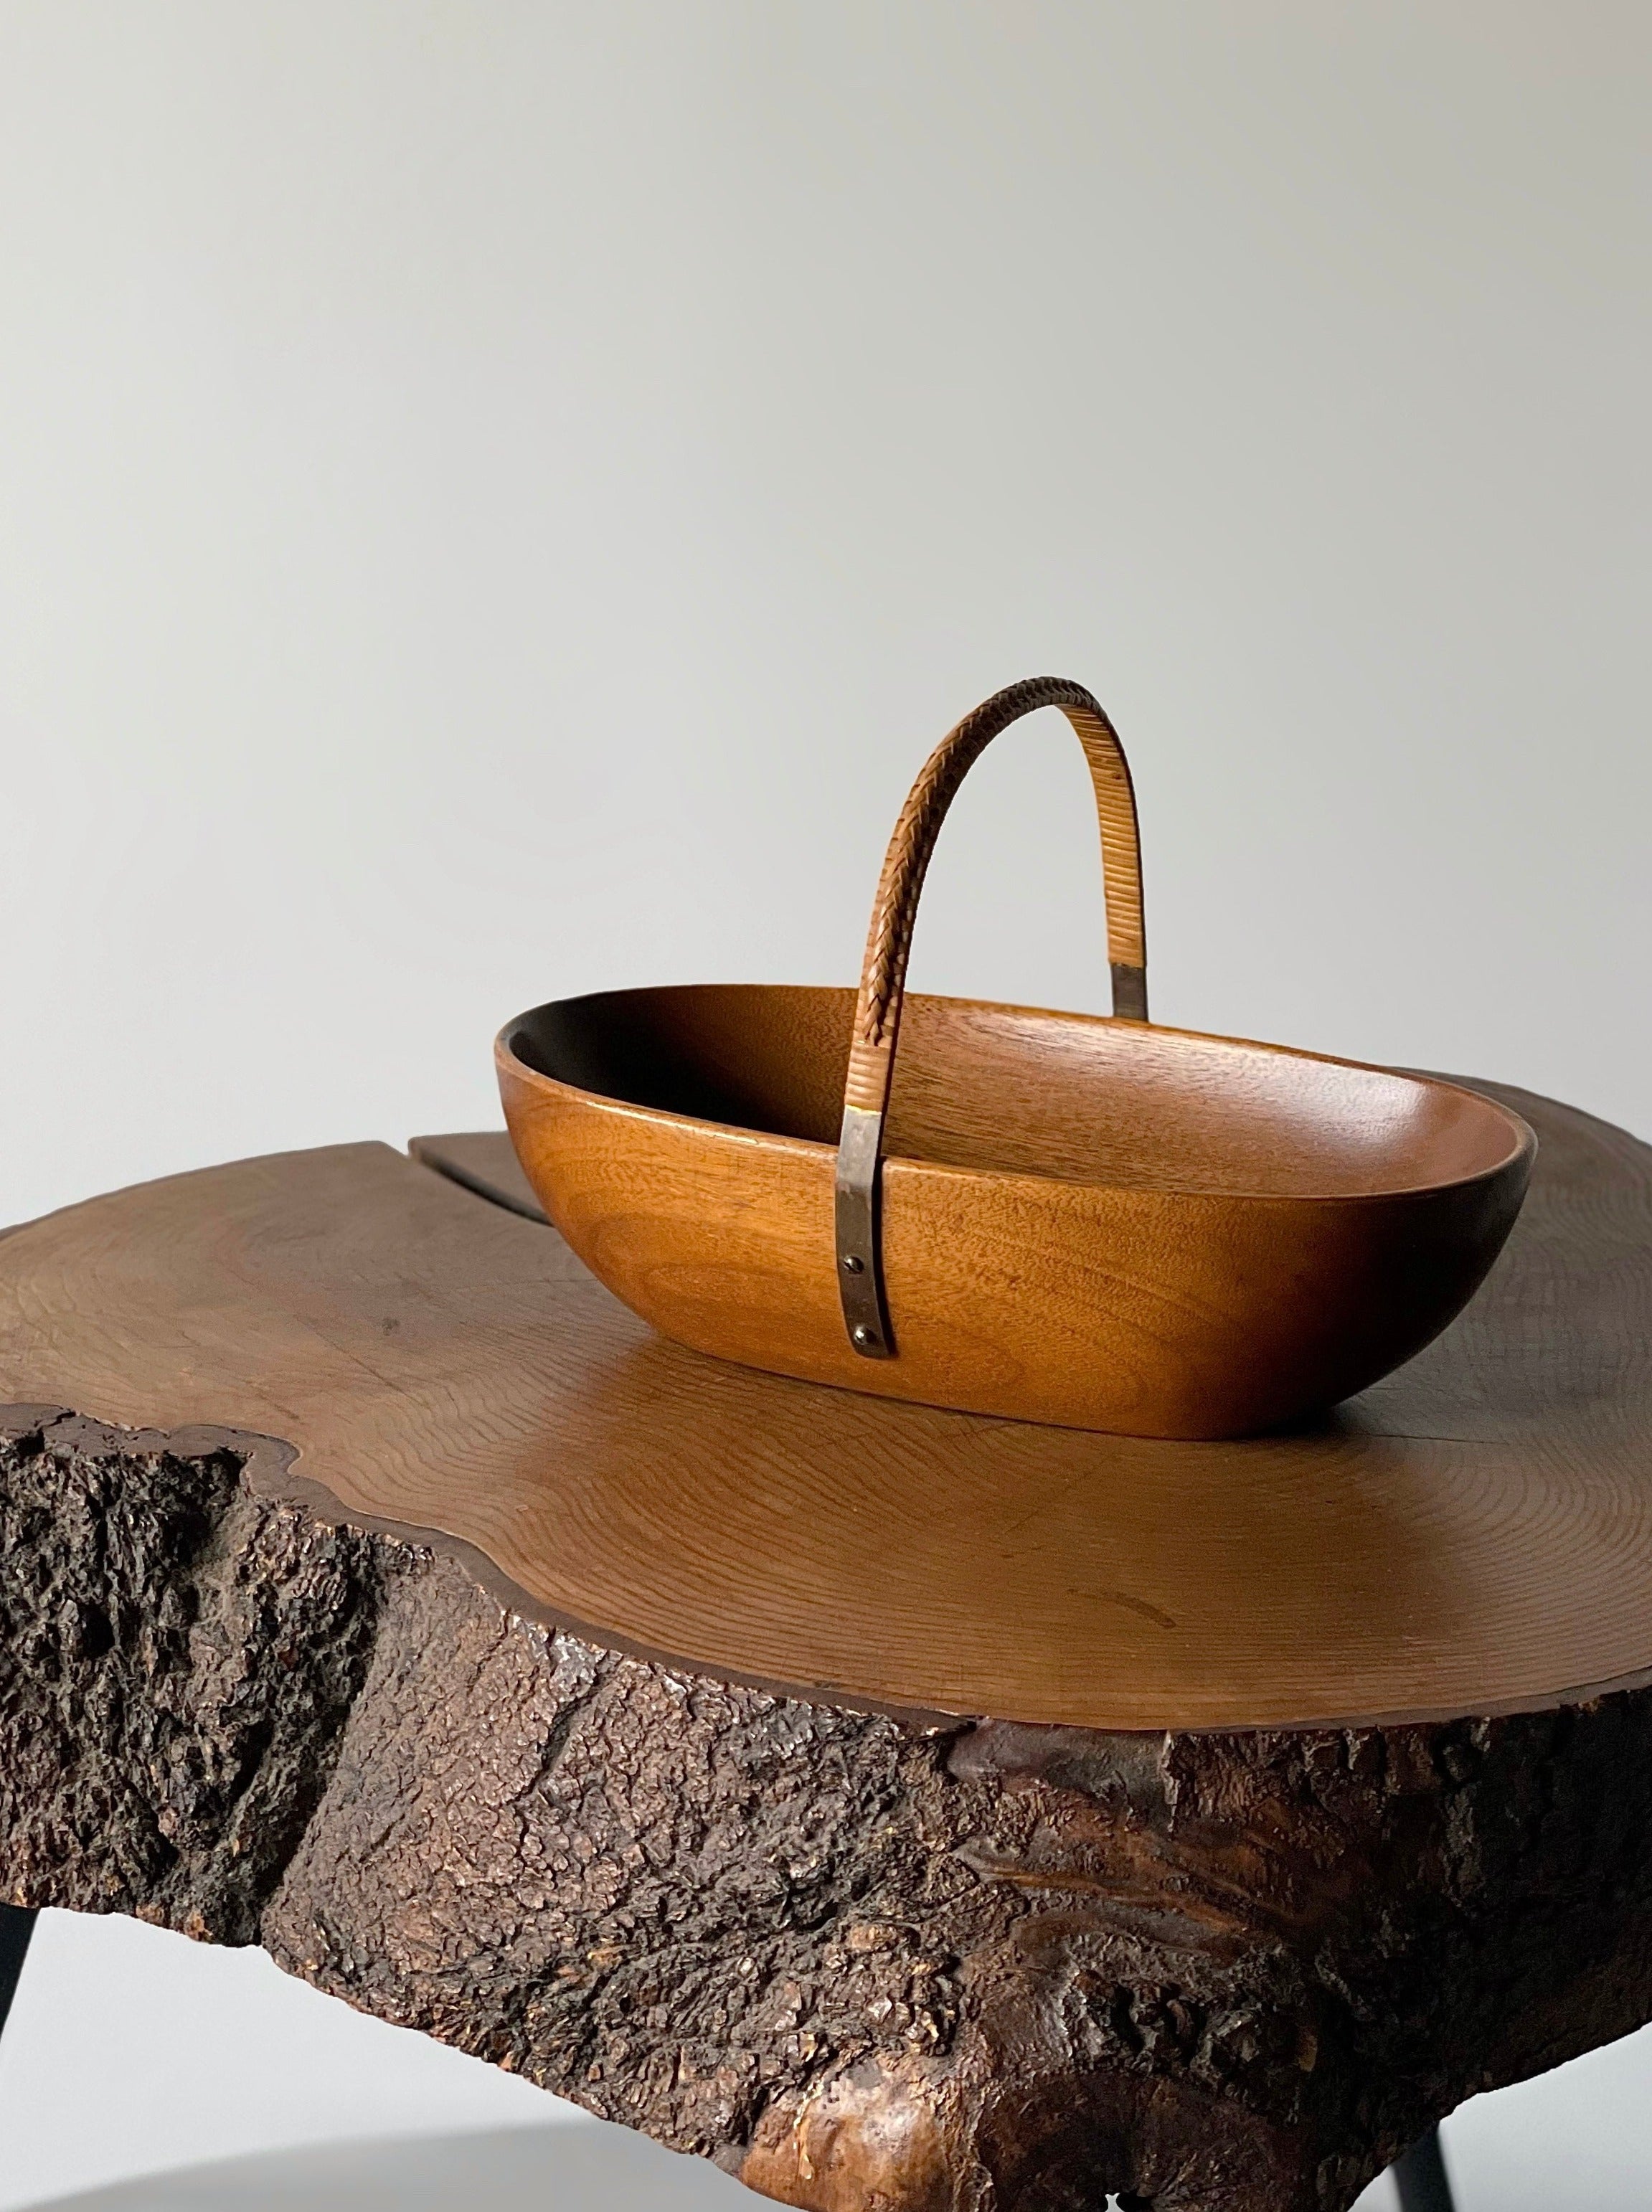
[{"x": 1061, "y": 1218}]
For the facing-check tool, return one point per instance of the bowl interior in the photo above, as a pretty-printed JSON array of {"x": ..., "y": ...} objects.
[{"x": 1019, "y": 1092}]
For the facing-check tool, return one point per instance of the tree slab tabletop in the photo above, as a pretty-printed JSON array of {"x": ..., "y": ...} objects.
[
  {"x": 1472, "y": 1536},
  {"x": 908, "y": 1812}
]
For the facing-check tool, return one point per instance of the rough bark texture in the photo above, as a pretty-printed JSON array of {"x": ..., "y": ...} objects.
[{"x": 857, "y": 1961}]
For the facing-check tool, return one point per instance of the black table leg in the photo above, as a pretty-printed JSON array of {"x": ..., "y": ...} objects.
[
  {"x": 16, "y": 1926},
  {"x": 1420, "y": 2177}
]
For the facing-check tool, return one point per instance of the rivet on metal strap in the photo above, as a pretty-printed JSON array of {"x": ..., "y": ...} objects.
[{"x": 860, "y": 1267}]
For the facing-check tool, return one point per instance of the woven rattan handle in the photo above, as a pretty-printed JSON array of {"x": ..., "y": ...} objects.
[{"x": 889, "y": 945}]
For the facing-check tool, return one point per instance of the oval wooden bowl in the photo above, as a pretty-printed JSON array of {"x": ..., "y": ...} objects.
[{"x": 1061, "y": 1218}]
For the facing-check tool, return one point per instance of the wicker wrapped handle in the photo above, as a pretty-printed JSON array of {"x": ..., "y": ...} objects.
[{"x": 889, "y": 945}]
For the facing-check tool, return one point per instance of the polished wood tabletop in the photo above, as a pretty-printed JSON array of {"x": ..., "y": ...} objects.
[{"x": 1472, "y": 1536}]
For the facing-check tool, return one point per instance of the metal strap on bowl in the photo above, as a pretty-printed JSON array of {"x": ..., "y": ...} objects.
[{"x": 889, "y": 945}]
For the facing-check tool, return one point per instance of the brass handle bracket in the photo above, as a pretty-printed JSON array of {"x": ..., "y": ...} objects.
[{"x": 859, "y": 1248}]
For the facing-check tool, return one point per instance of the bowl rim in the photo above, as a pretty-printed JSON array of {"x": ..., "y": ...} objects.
[{"x": 1523, "y": 1142}]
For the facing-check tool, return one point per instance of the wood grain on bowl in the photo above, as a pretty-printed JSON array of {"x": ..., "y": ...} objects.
[{"x": 1055, "y": 1218}]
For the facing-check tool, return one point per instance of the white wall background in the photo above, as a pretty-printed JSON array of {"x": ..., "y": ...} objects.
[{"x": 497, "y": 499}]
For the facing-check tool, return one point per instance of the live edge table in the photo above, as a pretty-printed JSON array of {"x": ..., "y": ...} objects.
[{"x": 905, "y": 1809}]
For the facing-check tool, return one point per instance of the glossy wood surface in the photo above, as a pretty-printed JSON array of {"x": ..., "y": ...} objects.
[
  {"x": 1472, "y": 1536},
  {"x": 1024, "y": 1213},
  {"x": 1086, "y": 1221}
]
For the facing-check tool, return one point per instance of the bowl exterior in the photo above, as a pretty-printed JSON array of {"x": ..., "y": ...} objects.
[{"x": 1141, "y": 1312}]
